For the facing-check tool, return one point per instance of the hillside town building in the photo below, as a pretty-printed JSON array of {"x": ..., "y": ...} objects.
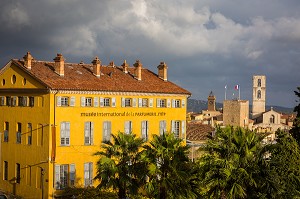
[{"x": 55, "y": 115}]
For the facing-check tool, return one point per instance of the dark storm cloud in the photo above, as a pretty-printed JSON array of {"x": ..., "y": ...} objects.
[{"x": 207, "y": 44}]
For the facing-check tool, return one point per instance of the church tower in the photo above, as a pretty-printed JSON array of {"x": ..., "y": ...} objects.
[
  {"x": 259, "y": 95},
  {"x": 211, "y": 102}
]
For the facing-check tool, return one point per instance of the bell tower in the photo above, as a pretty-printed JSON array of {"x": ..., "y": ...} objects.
[
  {"x": 259, "y": 95},
  {"x": 211, "y": 102}
]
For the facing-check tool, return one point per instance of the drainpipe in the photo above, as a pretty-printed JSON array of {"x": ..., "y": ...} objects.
[{"x": 53, "y": 144}]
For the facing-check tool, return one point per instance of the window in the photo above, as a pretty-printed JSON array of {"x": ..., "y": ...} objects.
[
  {"x": 259, "y": 82},
  {"x": 161, "y": 103},
  {"x": 88, "y": 101},
  {"x": 18, "y": 173},
  {"x": 29, "y": 138},
  {"x": 88, "y": 133},
  {"x": 272, "y": 119},
  {"x": 64, "y": 101},
  {"x": 22, "y": 101},
  {"x": 61, "y": 176},
  {"x": 145, "y": 130},
  {"x": 19, "y": 131},
  {"x": 13, "y": 101},
  {"x": 5, "y": 173},
  {"x": 88, "y": 174},
  {"x": 31, "y": 101},
  {"x": 126, "y": 102},
  {"x": 65, "y": 133},
  {"x": 6, "y": 131},
  {"x": 107, "y": 102},
  {"x": 176, "y": 103},
  {"x": 143, "y": 102},
  {"x": 72, "y": 174},
  {"x": 8, "y": 100},
  {"x": 2, "y": 101},
  {"x": 106, "y": 131},
  {"x": 178, "y": 127},
  {"x": 258, "y": 94},
  {"x": 162, "y": 126},
  {"x": 128, "y": 127}
]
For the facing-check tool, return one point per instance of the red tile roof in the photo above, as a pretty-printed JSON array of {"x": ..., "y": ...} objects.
[
  {"x": 198, "y": 131},
  {"x": 80, "y": 77}
]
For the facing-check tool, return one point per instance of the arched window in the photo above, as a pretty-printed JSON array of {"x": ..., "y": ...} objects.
[
  {"x": 272, "y": 119},
  {"x": 258, "y": 94},
  {"x": 259, "y": 82}
]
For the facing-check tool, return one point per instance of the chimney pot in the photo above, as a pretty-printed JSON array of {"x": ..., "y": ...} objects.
[
  {"x": 96, "y": 66},
  {"x": 138, "y": 70},
  {"x": 27, "y": 60},
  {"x": 163, "y": 71},
  {"x": 59, "y": 64},
  {"x": 125, "y": 67}
]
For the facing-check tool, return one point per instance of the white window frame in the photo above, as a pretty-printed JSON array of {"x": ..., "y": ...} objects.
[
  {"x": 176, "y": 128},
  {"x": 128, "y": 127},
  {"x": 145, "y": 130},
  {"x": 161, "y": 103},
  {"x": 162, "y": 126},
  {"x": 19, "y": 133},
  {"x": 65, "y": 133},
  {"x": 88, "y": 102},
  {"x": 88, "y": 174},
  {"x": 31, "y": 101},
  {"x": 72, "y": 175},
  {"x": 106, "y": 131},
  {"x": 88, "y": 133},
  {"x": 106, "y": 102},
  {"x": 61, "y": 176},
  {"x": 2, "y": 101},
  {"x": 128, "y": 102},
  {"x": 176, "y": 103},
  {"x": 64, "y": 101}
]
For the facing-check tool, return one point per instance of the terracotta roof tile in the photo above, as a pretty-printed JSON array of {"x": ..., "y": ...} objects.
[
  {"x": 198, "y": 131},
  {"x": 81, "y": 77}
]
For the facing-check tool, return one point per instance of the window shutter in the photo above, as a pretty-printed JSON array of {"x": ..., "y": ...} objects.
[
  {"x": 58, "y": 101},
  {"x": 72, "y": 174},
  {"x": 91, "y": 173},
  {"x": 83, "y": 101},
  {"x": 109, "y": 129},
  {"x": 133, "y": 102},
  {"x": 183, "y": 129},
  {"x": 92, "y": 133},
  {"x": 140, "y": 102},
  {"x": 172, "y": 126},
  {"x": 62, "y": 133},
  {"x": 25, "y": 101},
  {"x": 96, "y": 101},
  {"x": 143, "y": 130},
  {"x": 123, "y": 102},
  {"x": 183, "y": 103},
  {"x": 57, "y": 176},
  {"x": 150, "y": 102},
  {"x": 173, "y": 103},
  {"x": 72, "y": 101},
  {"x": 87, "y": 133},
  {"x": 168, "y": 103},
  {"x": 113, "y": 102},
  {"x": 67, "y": 133},
  {"x": 101, "y": 102},
  {"x": 86, "y": 174},
  {"x": 158, "y": 103}
]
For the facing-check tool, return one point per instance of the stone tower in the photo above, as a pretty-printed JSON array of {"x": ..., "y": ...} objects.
[
  {"x": 259, "y": 95},
  {"x": 211, "y": 102}
]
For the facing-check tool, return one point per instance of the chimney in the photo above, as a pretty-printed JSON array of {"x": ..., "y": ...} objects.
[
  {"x": 138, "y": 70},
  {"x": 96, "y": 66},
  {"x": 27, "y": 60},
  {"x": 162, "y": 71},
  {"x": 125, "y": 67},
  {"x": 59, "y": 64}
]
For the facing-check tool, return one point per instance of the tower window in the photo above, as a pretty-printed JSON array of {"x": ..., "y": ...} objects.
[
  {"x": 272, "y": 119},
  {"x": 258, "y": 94},
  {"x": 259, "y": 82}
]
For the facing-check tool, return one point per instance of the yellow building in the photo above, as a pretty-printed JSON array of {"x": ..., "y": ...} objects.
[{"x": 55, "y": 115}]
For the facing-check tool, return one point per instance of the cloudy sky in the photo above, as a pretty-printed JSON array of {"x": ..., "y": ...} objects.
[{"x": 206, "y": 44}]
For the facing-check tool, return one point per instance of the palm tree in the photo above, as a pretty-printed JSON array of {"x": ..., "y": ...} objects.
[
  {"x": 169, "y": 168},
  {"x": 120, "y": 166},
  {"x": 233, "y": 164}
]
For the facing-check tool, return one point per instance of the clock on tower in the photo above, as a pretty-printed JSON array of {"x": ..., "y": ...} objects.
[{"x": 211, "y": 102}]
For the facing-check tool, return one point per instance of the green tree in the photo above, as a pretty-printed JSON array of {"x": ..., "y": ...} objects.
[
  {"x": 120, "y": 166},
  {"x": 285, "y": 160},
  {"x": 295, "y": 131},
  {"x": 235, "y": 165},
  {"x": 170, "y": 172}
]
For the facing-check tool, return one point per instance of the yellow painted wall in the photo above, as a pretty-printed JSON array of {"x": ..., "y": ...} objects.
[{"x": 47, "y": 112}]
